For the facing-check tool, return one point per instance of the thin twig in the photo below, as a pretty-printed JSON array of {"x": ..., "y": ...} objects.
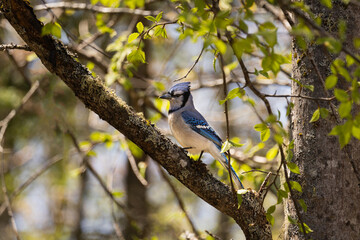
[
  {"x": 180, "y": 201},
  {"x": 212, "y": 235},
  {"x": 263, "y": 185},
  {"x": 21, "y": 69},
  {"x": 94, "y": 36},
  {"x": 226, "y": 117},
  {"x": 315, "y": 26},
  {"x": 276, "y": 13},
  {"x": 6, "y": 198},
  {"x": 292, "y": 196},
  {"x": 93, "y": 8},
  {"x": 132, "y": 162},
  {"x": 116, "y": 226},
  {"x": 96, "y": 175},
  {"x": 31, "y": 179},
  {"x": 4, "y": 124},
  {"x": 192, "y": 67},
  {"x": 68, "y": 33},
  {"x": 300, "y": 96}
]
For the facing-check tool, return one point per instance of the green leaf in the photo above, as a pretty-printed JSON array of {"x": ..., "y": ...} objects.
[
  {"x": 140, "y": 27},
  {"x": 236, "y": 92},
  {"x": 278, "y": 139},
  {"x": 234, "y": 144},
  {"x": 260, "y": 127},
  {"x": 270, "y": 219},
  {"x": 239, "y": 195},
  {"x": 291, "y": 220},
  {"x": 349, "y": 60},
  {"x": 150, "y": 18},
  {"x": 160, "y": 31},
  {"x": 296, "y": 186},
  {"x": 331, "y": 81},
  {"x": 310, "y": 87},
  {"x": 324, "y": 113},
  {"x": 345, "y": 109},
  {"x": 356, "y": 132},
  {"x": 303, "y": 204},
  {"x": 242, "y": 45},
  {"x": 117, "y": 194},
  {"x": 158, "y": 17},
  {"x": 91, "y": 153},
  {"x": 269, "y": 32},
  {"x": 271, "y": 154},
  {"x": 341, "y": 95},
  {"x": 293, "y": 167},
  {"x": 307, "y": 228},
  {"x": 264, "y": 135},
  {"x": 221, "y": 46},
  {"x": 281, "y": 194},
  {"x": 271, "y": 209},
  {"x": 132, "y": 37},
  {"x": 315, "y": 116},
  {"x": 51, "y": 28},
  {"x": 225, "y": 146},
  {"x": 243, "y": 26},
  {"x": 136, "y": 56},
  {"x": 344, "y": 132},
  {"x": 326, "y": 3}
]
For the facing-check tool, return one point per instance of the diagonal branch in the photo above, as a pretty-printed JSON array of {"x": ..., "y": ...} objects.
[{"x": 96, "y": 96}]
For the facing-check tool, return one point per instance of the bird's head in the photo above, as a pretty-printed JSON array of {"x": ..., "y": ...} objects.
[{"x": 178, "y": 95}]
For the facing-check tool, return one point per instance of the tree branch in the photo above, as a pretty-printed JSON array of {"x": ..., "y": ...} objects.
[
  {"x": 93, "y": 8},
  {"x": 103, "y": 101}
]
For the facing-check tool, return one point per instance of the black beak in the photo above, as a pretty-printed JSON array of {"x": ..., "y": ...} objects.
[{"x": 166, "y": 96}]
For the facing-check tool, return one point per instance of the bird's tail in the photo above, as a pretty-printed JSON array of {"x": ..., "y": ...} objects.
[{"x": 221, "y": 157}]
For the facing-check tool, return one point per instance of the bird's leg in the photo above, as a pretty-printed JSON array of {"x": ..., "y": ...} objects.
[
  {"x": 186, "y": 148},
  {"x": 200, "y": 155}
]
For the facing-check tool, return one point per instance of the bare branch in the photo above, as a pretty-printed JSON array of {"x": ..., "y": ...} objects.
[
  {"x": 292, "y": 196},
  {"x": 226, "y": 112},
  {"x": 132, "y": 162},
  {"x": 300, "y": 96},
  {"x": 93, "y": 8},
  {"x": 12, "y": 46},
  {"x": 321, "y": 30},
  {"x": 192, "y": 67},
  {"x": 96, "y": 174},
  {"x": 276, "y": 13},
  {"x": 31, "y": 179},
  {"x": 4, "y": 124},
  {"x": 180, "y": 201}
]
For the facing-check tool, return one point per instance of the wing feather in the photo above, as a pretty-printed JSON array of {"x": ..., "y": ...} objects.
[{"x": 198, "y": 123}]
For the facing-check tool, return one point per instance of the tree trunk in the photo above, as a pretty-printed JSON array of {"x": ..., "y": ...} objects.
[{"x": 329, "y": 184}]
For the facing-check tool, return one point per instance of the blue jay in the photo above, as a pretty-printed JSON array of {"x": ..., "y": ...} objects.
[{"x": 191, "y": 129}]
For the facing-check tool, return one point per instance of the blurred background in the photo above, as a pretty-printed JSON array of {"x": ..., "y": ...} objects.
[{"x": 70, "y": 175}]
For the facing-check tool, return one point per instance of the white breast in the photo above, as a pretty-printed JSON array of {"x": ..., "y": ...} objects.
[{"x": 186, "y": 136}]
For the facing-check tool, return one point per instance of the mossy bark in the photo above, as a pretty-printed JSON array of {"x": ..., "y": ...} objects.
[{"x": 329, "y": 184}]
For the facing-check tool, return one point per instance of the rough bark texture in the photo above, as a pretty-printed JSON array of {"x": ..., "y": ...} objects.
[
  {"x": 103, "y": 101},
  {"x": 330, "y": 187}
]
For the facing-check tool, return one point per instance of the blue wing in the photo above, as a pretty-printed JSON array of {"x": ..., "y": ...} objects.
[{"x": 198, "y": 123}]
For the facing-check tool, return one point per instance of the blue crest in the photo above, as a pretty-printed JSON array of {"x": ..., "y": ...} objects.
[{"x": 181, "y": 87}]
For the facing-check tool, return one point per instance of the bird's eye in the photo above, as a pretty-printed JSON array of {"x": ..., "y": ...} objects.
[{"x": 175, "y": 94}]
